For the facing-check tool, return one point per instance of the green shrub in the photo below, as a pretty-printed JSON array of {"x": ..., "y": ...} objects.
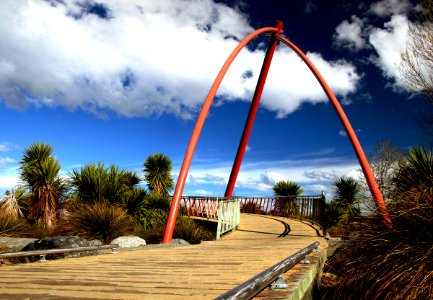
[
  {"x": 16, "y": 227},
  {"x": 191, "y": 232},
  {"x": 9, "y": 225},
  {"x": 99, "y": 220},
  {"x": 152, "y": 212},
  {"x": 152, "y": 236},
  {"x": 332, "y": 215},
  {"x": 185, "y": 229}
]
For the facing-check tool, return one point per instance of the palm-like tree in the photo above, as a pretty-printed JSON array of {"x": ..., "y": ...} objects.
[
  {"x": 157, "y": 173},
  {"x": 415, "y": 172},
  {"x": 40, "y": 171},
  {"x": 96, "y": 183},
  {"x": 347, "y": 194},
  {"x": 289, "y": 190}
]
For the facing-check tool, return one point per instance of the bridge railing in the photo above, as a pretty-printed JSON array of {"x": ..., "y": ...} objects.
[
  {"x": 202, "y": 207},
  {"x": 226, "y": 210},
  {"x": 229, "y": 216},
  {"x": 309, "y": 208}
]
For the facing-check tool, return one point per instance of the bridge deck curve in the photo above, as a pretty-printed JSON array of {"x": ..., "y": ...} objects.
[{"x": 201, "y": 271}]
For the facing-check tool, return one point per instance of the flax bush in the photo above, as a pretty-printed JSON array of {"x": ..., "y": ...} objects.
[
  {"x": 392, "y": 263},
  {"x": 99, "y": 220}
]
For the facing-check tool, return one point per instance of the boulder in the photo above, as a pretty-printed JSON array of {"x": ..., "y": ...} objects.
[
  {"x": 128, "y": 241},
  {"x": 15, "y": 244},
  {"x": 179, "y": 242},
  {"x": 62, "y": 242}
]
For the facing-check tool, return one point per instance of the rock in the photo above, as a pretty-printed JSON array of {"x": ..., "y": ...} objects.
[
  {"x": 329, "y": 280},
  {"x": 179, "y": 242},
  {"x": 333, "y": 245},
  {"x": 128, "y": 241},
  {"x": 61, "y": 242},
  {"x": 15, "y": 244}
]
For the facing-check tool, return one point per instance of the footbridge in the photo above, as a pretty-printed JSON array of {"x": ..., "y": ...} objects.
[{"x": 204, "y": 271}]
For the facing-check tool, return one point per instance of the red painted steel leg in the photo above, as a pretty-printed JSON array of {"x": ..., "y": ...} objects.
[
  {"x": 172, "y": 215},
  {"x": 253, "y": 110},
  {"x": 368, "y": 173}
]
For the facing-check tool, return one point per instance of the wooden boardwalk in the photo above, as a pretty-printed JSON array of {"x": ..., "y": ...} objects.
[{"x": 195, "y": 272}]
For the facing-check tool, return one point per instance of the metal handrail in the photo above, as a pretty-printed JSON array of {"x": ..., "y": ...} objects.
[
  {"x": 255, "y": 285},
  {"x": 55, "y": 251}
]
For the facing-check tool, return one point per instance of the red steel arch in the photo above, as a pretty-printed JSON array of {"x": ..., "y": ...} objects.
[
  {"x": 207, "y": 104},
  {"x": 172, "y": 215}
]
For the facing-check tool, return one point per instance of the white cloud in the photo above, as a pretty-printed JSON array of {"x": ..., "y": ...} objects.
[
  {"x": 7, "y": 182},
  {"x": 342, "y": 132},
  {"x": 149, "y": 58},
  {"x": 390, "y": 7},
  {"x": 6, "y": 160},
  {"x": 349, "y": 34},
  {"x": 389, "y": 43},
  {"x": 4, "y": 147},
  {"x": 202, "y": 193},
  {"x": 9, "y": 175},
  {"x": 271, "y": 178},
  {"x": 314, "y": 174}
]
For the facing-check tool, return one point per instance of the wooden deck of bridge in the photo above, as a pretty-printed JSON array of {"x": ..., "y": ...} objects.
[{"x": 201, "y": 271}]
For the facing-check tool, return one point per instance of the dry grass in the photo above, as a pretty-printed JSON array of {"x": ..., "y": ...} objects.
[
  {"x": 381, "y": 263},
  {"x": 97, "y": 221}
]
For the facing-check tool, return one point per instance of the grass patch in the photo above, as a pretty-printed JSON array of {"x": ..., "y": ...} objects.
[{"x": 99, "y": 220}]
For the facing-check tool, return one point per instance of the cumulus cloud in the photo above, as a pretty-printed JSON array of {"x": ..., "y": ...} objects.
[
  {"x": 9, "y": 175},
  {"x": 8, "y": 181},
  {"x": 349, "y": 34},
  {"x": 271, "y": 178},
  {"x": 390, "y": 7},
  {"x": 142, "y": 58},
  {"x": 389, "y": 42},
  {"x": 315, "y": 173},
  {"x": 6, "y": 160},
  {"x": 202, "y": 193},
  {"x": 4, "y": 147}
]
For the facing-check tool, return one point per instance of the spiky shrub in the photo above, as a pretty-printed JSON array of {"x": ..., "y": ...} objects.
[
  {"x": 191, "y": 232},
  {"x": 13, "y": 227},
  {"x": 332, "y": 215},
  {"x": 99, "y": 220},
  {"x": 185, "y": 229},
  {"x": 9, "y": 224},
  {"x": 393, "y": 263},
  {"x": 153, "y": 211},
  {"x": 95, "y": 183}
]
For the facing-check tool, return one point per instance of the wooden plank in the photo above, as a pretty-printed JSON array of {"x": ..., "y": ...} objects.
[{"x": 202, "y": 271}]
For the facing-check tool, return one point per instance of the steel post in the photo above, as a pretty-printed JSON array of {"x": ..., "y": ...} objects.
[{"x": 253, "y": 109}]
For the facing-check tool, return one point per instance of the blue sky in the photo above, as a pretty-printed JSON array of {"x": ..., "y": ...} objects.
[{"x": 117, "y": 81}]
